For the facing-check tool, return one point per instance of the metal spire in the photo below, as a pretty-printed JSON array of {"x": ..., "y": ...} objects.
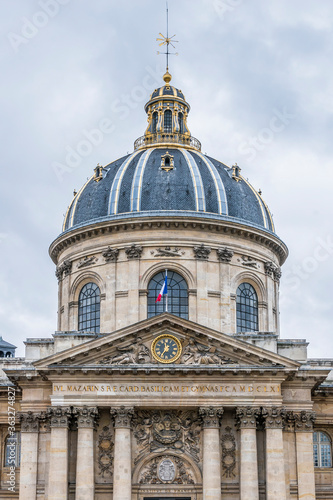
[{"x": 166, "y": 40}]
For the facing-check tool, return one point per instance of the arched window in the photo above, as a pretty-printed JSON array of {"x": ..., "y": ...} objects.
[
  {"x": 2, "y": 354},
  {"x": 168, "y": 121},
  {"x": 155, "y": 118},
  {"x": 247, "y": 308},
  {"x": 181, "y": 123},
  {"x": 13, "y": 450},
  {"x": 89, "y": 308},
  {"x": 322, "y": 450},
  {"x": 177, "y": 295}
]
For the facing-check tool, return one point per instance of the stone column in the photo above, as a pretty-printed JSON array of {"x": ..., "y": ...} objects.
[
  {"x": 122, "y": 475},
  {"x": 58, "y": 472},
  {"x": 29, "y": 455},
  {"x": 247, "y": 423},
  {"x": 211, "y": 483},
  {"x": 85, "y": 474},
  {"x": 275, "y": 477},
  {"x": 304, "y": 453}
]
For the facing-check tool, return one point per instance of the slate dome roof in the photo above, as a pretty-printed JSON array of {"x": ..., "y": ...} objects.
[{"x": 191, "y": 184}]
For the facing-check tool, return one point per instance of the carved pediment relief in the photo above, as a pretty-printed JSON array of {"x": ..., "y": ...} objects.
[{"x": 136, "y": 346}]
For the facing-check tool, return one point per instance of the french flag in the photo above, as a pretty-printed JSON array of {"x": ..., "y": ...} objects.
[{"x": 164, "y": 289}]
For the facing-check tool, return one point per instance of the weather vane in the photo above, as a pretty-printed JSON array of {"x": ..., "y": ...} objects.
[{"x": 166, "y": 40}]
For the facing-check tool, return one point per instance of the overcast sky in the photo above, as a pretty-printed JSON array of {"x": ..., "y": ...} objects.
[{"x": 258, "y": 76}]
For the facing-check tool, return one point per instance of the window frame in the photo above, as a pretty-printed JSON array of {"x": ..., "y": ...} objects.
[
  {"x": 247, "y": 313},
  {"x": 91, "y": 309},
  {"x": 179, "y": 308},
  {"x": 17, "y": 451},
  {"x": 320, "y": 444}
]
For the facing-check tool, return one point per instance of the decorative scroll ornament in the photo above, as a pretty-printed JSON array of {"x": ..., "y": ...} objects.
[
  {"x": 105, "y": 456},
  {"x": 168, "y": 252},
  {"x": 111, "y": 254},
  {"x": 247, "y": 417},
  {"x": 29, "y": 421},
  {"x": 228, "y": 453},
  {"x": 224, "y": 254},
  {"x": 86, "y": 417},
  {"x": 272, "y": 270},
  {"x": 122, "y": 416},
  {"x": 199, "y": 354},
  {"x": 248, "y": 261},
  {"x": 273, "y": 417},
  {"x": 64, "y": 269},
  {"x": 210, "y": 416},
  {"x": 87, "y": 261},
  {"x": 202, "y": 252},
  {"x": 136, "y": 353},
  {"x": 171, "y": 470},
  {"x": 134, "y": 252},
  {"x": 156, "y": 431}
]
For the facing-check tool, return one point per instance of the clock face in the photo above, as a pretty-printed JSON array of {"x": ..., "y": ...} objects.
[{"x": 166, "y": 348}]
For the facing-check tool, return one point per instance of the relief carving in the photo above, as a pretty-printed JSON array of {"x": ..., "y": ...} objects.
[
  {"x": 247, "y": 417},
  {"x": 87, "y": 261},
  {"x": 199, "y": 354},
  {"x": 134, "y": 252},
  {"x": 210, "y": 416},
  {"x": 171, "y": 470},
  {"x": 249, "y": 261},
  {"x": 111, "y": 254},
  {"x": 228, "y": 442},
  {"x": 64, "y": 269},
  {"x": 168, "y": 252},
  {"x": 304, "y": 421},
  {"x": 86, "y": 417},
  {"x": 159, "y": 430},
  {"x": 201, "y": 252},
  {"x": 273, "y": 417},
  {"x": 272, "y": 270},
  {"x": 105, "y": 446},
  {"x": 29, "y": 421},
  {"x": 224, "y": 254},
  {"x": 59, "y": 416},
  {"x": 136, "y": 353}
]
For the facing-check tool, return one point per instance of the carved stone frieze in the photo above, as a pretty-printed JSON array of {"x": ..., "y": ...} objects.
[
  {"x": 168, "y": 252},
  {"x": 64, "y": 269},
  {"x": 87, "y": 261},
  {"x": 134, "y": 252},
  {"x": 86, "y": 417},
  {"x": 105, "y": 452},
  {"x": 111, "y": 254},
  {"x": 159, "y": 430},
  {"x": 59, "y": 416},
  {"x": 247, "y": 416},
  {"x": 210, "y": 416},
  {"x": 122, "y": 416},
  {"x": 272, "y": 270},
  {"x": 201, "y": 252},
  {"x": 169, "y": 470},
  {"x": 135, "y": 353},
  {"x": 224, "y": 254},
  {"x": 273, "y": 417},
  {"x": 29, "y": 421},
  {"x": 248, "y": 261},
  {"x": 228, "y": 443},
  {"x": 304, "y": 421},
  {"x": 199, "y": 354}
]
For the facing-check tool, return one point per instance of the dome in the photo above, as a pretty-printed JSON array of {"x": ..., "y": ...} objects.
[
  {"x": 167, "y": 181},
  {"x": 167, "y": 175}
]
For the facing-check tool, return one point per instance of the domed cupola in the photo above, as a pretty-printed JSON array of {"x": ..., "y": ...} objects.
[{"x": 167, "y": 112}]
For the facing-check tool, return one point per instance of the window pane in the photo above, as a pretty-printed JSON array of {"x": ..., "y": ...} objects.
[
  {"x": 247, "y": 308},
  {"x": 177, "y": 295},
  {"x": 89, "y": 308}
]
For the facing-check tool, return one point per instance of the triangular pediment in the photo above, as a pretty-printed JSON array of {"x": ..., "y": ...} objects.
[{"x": 137, "y": 347}]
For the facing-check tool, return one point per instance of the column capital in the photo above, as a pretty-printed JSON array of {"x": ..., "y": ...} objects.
[
  {"x": 29, "y": 421},
  {"x": 304, "y": 421},
  {"x": 86, "y": 417},
  {"x": 273, "y": 417},
  {"x": 246, "y": 417},
  {"x": 60, "y": 416},
  {"x": 122, "y": 416},
  {"x": 210, "y": 416}
]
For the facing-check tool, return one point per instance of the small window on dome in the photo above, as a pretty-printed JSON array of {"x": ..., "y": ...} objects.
[
  {"x": 155, "y": 118},
  {"x": 167, "y": 162},
  {"x": 168, "y": 121},
  {"x": 181, "y": 123}
]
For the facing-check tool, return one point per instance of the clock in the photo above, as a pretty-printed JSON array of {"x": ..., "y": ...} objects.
[{"x": 166, "y": 348}]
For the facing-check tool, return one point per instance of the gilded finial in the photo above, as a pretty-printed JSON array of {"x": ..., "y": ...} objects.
[{"x": 167, "y": 77}]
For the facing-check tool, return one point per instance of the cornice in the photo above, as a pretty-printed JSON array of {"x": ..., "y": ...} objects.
[{"x": 204, "y": 222}]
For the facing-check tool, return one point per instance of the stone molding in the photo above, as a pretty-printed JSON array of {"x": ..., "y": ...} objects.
[
  {"x": 59, "y": 416},
  {"x": 86, "y": 417},
  {"x": 273, "y": 417},
  {"x": 210, "y": 416},
  {"x": 29, "y": 421},
  {"x": 247, "y": 417},
  {"x": 122, "y": 416}
]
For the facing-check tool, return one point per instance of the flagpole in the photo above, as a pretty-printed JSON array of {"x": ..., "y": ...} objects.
[{"x": 166, "y": 297}]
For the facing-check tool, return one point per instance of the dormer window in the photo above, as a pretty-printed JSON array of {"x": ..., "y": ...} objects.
[
  {"x": 168, "y": 121},
  {"x": 167, "y": 162}
]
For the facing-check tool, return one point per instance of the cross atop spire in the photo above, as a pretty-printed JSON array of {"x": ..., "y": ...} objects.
[{"x": 166, "y": 40}]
